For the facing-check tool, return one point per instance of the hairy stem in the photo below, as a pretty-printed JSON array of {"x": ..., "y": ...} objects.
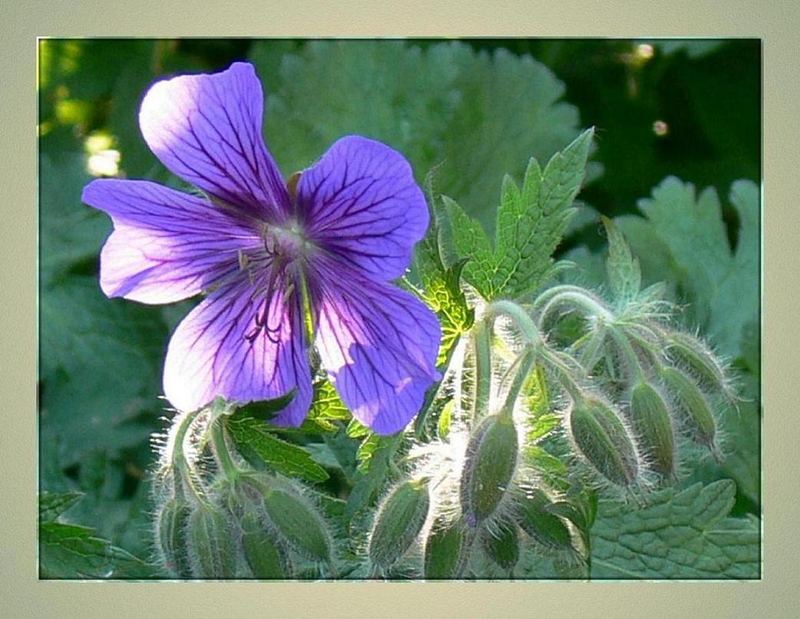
[
  {"x": 580, "y": 301},
  {"x": 526, "y": 361},
  {"x": 184, "y": 471},
  {"x": 520, "y": 318},
  {"x": 219, "y": 442},
  {"x": 481, "y": 339}
]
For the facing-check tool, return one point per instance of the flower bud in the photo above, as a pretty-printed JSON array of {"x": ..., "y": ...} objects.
[
  {"x": 502, "y": 544},
  {"x": 491, "y": 460},
  {"x": 693, "y": 355},
  {"x": 211, "y": 548},
  {"x": 650, "y": 419},
  {"x": 299, "y": 523},
  {"x": 398, "y": 523},
  {"x": 264, "y": 555},
  {"x": 692, "y": 405},
  {"x": 544, "y": 527},
  {"x": 601, "y": 437},
  {"x": 445, "y": 549},
  {"x": 171, "y": 522}
]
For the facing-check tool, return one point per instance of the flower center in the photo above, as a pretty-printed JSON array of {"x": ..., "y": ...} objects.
[{"x": 288, "y": 243}]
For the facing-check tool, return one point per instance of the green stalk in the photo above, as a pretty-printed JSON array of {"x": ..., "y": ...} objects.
[
  {"x": 526, "y": 361},
  {"x": 519, "y": 316},
  {"x": 628, "y": 352},
  {"x": 481, "y": 339},
  {"x": 581, "y": 301},
  {"x": 180, "y": 464},
  {"x": 221, "y": 451}
]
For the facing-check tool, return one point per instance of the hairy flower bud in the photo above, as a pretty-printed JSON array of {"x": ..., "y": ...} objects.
[
  {"x": 651, "y": 421},
  {"x": 264, "y": 555},
  {"x": 502, "y": 544},
  {"x": 693, "y": 355},
  {"x": 692, "y": 405},
  {"x": 398, "y": 523},
  {"x": 299, "y": 523},
  {"x": 545, "y": 528},
  {"x": 490, "y": 463},
  {"x": 445, "y": 549},
  {"x": 601, "y": 437},
  {"x": 171, "y": 524},
  {"x": 211, "y": 547}
]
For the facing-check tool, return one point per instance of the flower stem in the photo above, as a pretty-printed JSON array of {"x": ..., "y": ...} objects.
[
  {"x": 526, "y": 361},
  {"x": 221, "y": 451},
  {"x": 568, "y": 383},
  {"x": 481, "y": 339},
  {"x": 520, "y": 318},
  {"x": 580, "y": 300},
  {"x": 183, "y": 468},
  {"x": 627, "y": 351}
]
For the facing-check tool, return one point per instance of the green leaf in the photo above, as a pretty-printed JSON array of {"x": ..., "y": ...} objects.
[
  {"x": 264, "y": 410},
  {"x": 441, "y": 287},
  {"x": 509, "y": 109},
  {"x": 530, "y": 223},
  {"x": 366, "y": 450},
  {"x": 327, "y": 407},
  {"x": 445, "y": 420},
  {"x": 71, "y": 551},
  {"x": 722, "y": 284},
  {"x": 100, "y": 365},
  {"x": 53, "y": 504},
  {"x": 369, "y": 482},
  {"x": 447, "y": 108},
  {"x": 740, "y": 427},
  {"x": 255, "y": 441},
  {"x": 70, "y": 231},
  {"x": 680, "y": 534},
  {"x": 472, "y": 243},
  {"x": 385, "y": 90},
  {"x": 624, "y": 274}
]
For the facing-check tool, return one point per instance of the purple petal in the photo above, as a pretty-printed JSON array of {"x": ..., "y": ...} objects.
[
  {"x": 378, "y": 344},
  {"x": 166, "y": 245},
  {"x": 360, "y": 203},
  {"x": 242, "y": 346},
  {"x": 207, "y": 130}
]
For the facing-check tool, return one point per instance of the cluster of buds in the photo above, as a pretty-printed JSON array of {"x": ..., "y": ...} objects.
[
  {"x": 629, "y": 392},
  {"x": 217, "y": 517}
]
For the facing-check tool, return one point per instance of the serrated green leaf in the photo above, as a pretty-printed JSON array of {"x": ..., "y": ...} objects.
[
  {"x": 53, "y": 504},
  {"x": 365, "y": 452},
  {"x": 542, "y": 421},
  {"x": 509, "y": 110},
  {"x": 441, "y": 288},
  {"x": 624, "y": 274},
  {"x": 722, "y": 284},
  {"x": 328, "y": 89},
  {"x": 254, "y": 439},
  {"x": 530, "y": 223},
  {"x": 680, "y": 534},
  {"x": 70, "y": 551},
  {"x": 327, "y": 407}
]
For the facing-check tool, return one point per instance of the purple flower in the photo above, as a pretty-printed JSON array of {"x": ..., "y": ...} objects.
[{"x": 263, "y": 252}]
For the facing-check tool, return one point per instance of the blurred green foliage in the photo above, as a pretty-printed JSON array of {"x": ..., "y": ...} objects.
[{"x": 465, "y": 113}]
